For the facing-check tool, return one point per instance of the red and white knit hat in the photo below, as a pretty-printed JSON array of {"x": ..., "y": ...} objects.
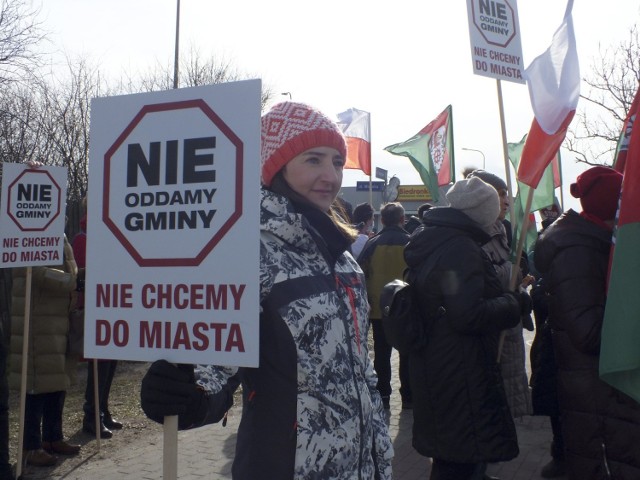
[{"x": 291, "y": 128}]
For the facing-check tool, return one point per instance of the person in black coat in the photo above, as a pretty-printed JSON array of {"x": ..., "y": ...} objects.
[
  {"x": 544, "y": 393},
  {"x": 543, "y": 380},
  {"x": 416, "y": 220},
  {"x": 600, "y": 425},
  {"x": 461, "y": 416}
]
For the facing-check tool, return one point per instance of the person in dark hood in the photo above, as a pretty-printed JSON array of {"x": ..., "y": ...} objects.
[
  {"x": 363, "y": 222},
  {"x": 600, "y": 425},
  {"x": 416, "y": 220},
  {"x": 513, "y": 354},
  {"x": 461, "y": 415}
]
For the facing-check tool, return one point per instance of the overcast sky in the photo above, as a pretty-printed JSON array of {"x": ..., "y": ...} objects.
[{"x": 404, "y": 61}]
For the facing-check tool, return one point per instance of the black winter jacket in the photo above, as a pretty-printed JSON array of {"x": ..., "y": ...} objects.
[
  {"x": 544, "y": 394},
  {"x": 460, "y": 408},
  {"x": 601, "y": 426}
]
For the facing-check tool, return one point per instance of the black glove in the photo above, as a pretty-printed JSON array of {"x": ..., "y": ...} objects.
[
  {"x": 526, "y": 306},
  {"x": 527, "y": 323},
  {"x": 169, "y": 389}
]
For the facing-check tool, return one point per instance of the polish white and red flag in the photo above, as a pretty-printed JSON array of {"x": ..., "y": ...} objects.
[
  {"x": 356, "y": 126},
  {"x": 554, "y": 88}
]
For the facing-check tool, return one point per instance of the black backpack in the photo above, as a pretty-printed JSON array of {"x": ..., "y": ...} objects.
[
  {"x": 400, "y": 316},
  {"x": 405, "y": 323}
]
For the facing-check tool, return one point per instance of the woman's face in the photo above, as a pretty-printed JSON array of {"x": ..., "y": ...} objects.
[
  {"x": 316, "y": 174},
  {"x": 504, "y": 203}
]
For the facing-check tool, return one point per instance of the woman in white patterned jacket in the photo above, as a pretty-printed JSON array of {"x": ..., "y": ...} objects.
[{"x": 311, "y": 409}]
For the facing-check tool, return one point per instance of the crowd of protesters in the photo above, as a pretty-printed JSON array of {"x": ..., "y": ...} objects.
[{"x": 315, "y": 406}]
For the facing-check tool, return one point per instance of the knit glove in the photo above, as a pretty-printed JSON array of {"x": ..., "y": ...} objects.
[
  {"x": 526, "y": 305},
  {"x": 524, "y": 301},
  {"x": 169, "y": 389}
]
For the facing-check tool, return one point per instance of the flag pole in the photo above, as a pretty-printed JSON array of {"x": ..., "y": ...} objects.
[
  {"x": 96, "y": 403},
  {"x": 23, "y": 374},
  {"x": 370, "y": 162},
  {"x": 505, "y": 151},
  {"x": 561, "y": 182},
  {"x": 170, "y": 424},
  {"x": 176, "y": 60}
]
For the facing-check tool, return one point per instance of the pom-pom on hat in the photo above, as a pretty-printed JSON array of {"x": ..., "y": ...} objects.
[
  {"x": 477, "y": 199},
  {"x": 598, "y": 190},
  {"x": 291, "y": 128}
]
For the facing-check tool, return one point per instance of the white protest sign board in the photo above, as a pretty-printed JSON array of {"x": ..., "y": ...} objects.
[
  {"x": 494, "y": 32},
  {"x": 32, "y": 215},
  {"x": 173, "y": 226}
]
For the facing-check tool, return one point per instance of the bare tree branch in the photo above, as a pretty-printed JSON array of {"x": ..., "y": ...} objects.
[
  {"x": 20, "y": 32},
  {"x": 611, "y": 86},
  {"x": 194, "y": 70}
]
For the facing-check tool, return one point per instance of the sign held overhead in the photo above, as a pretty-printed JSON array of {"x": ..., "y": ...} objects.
[
  {"x": 494, "y": 32},
  {"x": 32, "y": 218}
]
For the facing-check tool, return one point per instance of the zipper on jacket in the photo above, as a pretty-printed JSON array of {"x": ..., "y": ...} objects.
[
  {"x": 224, "y": 419},
  {"x": 604, "y": 460},
  {"x": 251, "y": 395},
  {"x": 352, "y": 305}
]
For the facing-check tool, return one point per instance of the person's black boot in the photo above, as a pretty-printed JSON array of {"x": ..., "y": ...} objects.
[
  {"x": 111, "y": 423},
  {"x": 89, "y": 426},
  {"x": 553, "y": 469}
]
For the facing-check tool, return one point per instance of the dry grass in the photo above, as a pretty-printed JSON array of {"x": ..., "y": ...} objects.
[{"x": 124, "y": 403}]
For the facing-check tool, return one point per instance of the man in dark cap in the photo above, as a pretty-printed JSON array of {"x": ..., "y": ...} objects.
[{"x": 416, "y": 220}]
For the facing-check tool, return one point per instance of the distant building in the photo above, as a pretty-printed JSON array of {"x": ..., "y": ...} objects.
[{"x": 410, "y": 196}]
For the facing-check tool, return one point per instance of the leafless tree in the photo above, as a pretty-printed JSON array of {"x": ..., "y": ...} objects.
[
  {"x": 48, "y": 121},
  {"x": 48, "y": 118},
  {"x": 65, "y": 118},
  {"x": 611, "y": 85},
  {"x": 20, "y": 32},
  {"x": 21, "y": 138},
  {"x": 195, "y": 70}
]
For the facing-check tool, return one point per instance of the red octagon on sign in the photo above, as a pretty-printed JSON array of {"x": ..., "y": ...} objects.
[
  {"x": 492, "y": 33},
  {"x": 34, "y": 225},
  {"x": 173, "y": 259}
]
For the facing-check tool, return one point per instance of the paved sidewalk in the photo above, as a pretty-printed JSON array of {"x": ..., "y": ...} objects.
[{"x": 207, "y": 453}]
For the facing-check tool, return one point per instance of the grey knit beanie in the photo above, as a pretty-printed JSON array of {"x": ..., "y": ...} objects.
[
  {"x": 477, "y": 199},
  {"x": 493, "y": 180}
]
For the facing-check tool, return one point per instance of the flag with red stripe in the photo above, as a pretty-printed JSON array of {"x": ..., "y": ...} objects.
[
  {"x": 356, "y": 126},
  {"x": 431, "y": 152},
  {"x": 553, "y": 79}
]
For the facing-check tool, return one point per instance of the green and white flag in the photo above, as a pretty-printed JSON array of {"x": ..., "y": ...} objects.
[
  {"x": 431, "y": 152},
  {"x": 543, "y": 195}
]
